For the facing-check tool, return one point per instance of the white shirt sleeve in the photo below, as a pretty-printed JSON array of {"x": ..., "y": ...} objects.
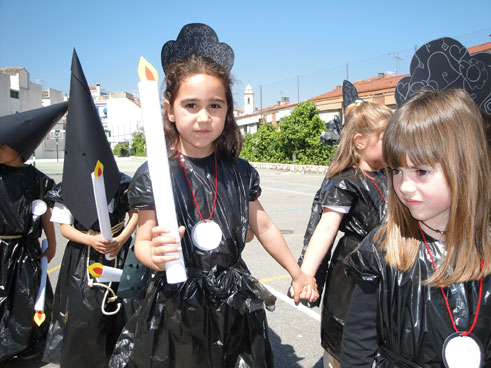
[
  {"x": 61, "y": 214},
  {"x": 340, "y": 209}
]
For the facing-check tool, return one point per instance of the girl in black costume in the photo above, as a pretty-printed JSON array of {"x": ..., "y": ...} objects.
[
  {"x": 423, "y": 290},
  {"x": 353, "y": 202},
  {"x": 216, "y": 318},
  {"x": 20, "y": 269}
]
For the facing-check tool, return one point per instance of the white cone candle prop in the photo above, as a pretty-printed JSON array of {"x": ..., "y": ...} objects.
[
  {"x": 101, "y": 203},
  {"x": 105, "y": 273},
  {"x": 39, "y": 316},
  {"x": 158, "y": 163}
]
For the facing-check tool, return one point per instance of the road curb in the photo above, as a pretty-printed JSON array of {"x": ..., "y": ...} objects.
[{"x": 306, "y": 169}]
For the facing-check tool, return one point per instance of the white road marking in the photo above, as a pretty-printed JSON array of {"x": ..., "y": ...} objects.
[{"x": 290, "y": 301}]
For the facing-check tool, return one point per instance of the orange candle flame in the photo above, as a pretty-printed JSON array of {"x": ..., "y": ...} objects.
[
  {"x": 146, "y": 71},
  {"x": 39, "y": 317},
  {"x": 95, "y": 269},
  {"x": 99, "y": 169}
]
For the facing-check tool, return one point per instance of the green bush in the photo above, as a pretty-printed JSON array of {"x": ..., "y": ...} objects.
[
  {"x": 121, "y": 149},
  {"x": 139, "y": 147},
  {"x": 298, "y": 140}
]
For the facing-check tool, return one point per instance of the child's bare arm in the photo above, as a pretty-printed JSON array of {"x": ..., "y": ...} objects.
[
  {"x": 95, "y": 241},
  {"x": 273, "y": 241},
  {"x": 119, "y": 240},
  {"x": 49, "y": 231},
  {"x": 321, "y": 240}
]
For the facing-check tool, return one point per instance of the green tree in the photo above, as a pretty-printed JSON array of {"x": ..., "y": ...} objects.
[
  {"x": 299, "y": 136},
  {"x": 139, "y": 147},
  {"x": 262, "y": 146}
]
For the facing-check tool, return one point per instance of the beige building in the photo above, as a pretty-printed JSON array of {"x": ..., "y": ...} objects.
[{"x": 17, "y": 92}]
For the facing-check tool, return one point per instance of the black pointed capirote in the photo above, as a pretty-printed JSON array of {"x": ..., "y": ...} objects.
[
  {"x": 25, "y": 131},
  {"x": 86, "y": 143}
]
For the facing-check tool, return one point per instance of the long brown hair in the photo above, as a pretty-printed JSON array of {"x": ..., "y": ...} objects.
[
  {"x": 366, "y": 118},
  {"x": 229, "y": 144},
  {"x": 444, "y": 127}
]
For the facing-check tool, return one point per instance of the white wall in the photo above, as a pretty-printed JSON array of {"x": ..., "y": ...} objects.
[
  {"x": 123, "y": 119},
  {"x": 30, "y": 98},
  {"x": 4, "y": 95},
  {"x": 51, "y": 96}
]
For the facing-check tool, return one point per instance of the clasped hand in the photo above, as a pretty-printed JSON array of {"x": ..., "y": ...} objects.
[
  {"x": 304, "y": 287},
  {"x": 104, "y": 246}
]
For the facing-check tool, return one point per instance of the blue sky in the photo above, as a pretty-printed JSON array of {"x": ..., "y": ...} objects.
[{"x": 276, "y": 43}]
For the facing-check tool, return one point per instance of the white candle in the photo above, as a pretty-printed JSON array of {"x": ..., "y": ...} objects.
[
  {"x": 39, "y": 315},
  {"x": 105, "y": 273},
  {"x": 101, "y": 203},
  {"x": 158, "y": 163}
]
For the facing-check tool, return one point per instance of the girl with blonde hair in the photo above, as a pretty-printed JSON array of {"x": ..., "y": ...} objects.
[{"x": 352, "y": 202}]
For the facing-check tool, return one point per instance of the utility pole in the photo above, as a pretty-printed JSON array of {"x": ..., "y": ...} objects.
[
  {"x": 298, "y": 88},
  {"x": 261, "y": 99}
]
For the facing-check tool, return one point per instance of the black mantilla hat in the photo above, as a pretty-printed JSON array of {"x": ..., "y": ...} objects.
[
  {"x": 350, "y": 94},
  {"x": 445, "y": 63},
  {"x": 86, "y": 143},
  {"x": 199, "y": 39},
  {"x": 24, "y": 132}
]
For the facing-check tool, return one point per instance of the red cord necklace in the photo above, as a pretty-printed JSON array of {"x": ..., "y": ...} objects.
[
  {"x": 191, "y": 187},
  {"x": 376, "y": 186},
  {"x": 445, "y": 297},
  {"x": 206, "y": 234}
]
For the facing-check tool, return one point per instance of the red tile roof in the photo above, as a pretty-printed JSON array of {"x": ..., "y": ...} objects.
[
  {"x": 480, "y": 48},
  {"x": 364, "y": 86}
]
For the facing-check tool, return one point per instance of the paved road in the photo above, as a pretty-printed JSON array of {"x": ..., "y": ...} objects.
[{"x": 287, "y": 198}]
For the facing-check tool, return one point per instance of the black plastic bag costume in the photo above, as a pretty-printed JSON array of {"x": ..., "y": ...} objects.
[
  {"x": 350, "y": 188},
  {"x": 77, "y": 315},
  {"x": 403, "y": 320},
  {"x": 20, "y": 270},
  {"x": 216, "y": 318}
]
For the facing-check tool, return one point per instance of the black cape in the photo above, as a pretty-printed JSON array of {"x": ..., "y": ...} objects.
[
  {"x": 216, "y": 318},
  {"x": 20, "y": 271},
  {"x": 411, "y": 320},
  {"x": 80, "y": 335},
  {"x": 350, "y": 188}
]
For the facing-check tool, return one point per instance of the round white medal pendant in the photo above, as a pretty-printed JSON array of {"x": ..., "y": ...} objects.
[
  {"x": 38, "y": 207},
  {"x": 462, "y": 351},
  {"x": 206, "y": 235}
]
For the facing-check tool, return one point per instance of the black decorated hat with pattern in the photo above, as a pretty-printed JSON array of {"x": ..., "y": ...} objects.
[
  {"x": 445, "y": 63},
  {"x": 350, "y": 94},
  {"x": 199, "y": 39}
]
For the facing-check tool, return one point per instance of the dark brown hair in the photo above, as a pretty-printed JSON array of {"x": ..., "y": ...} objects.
[{"x": 229, "y": 143}]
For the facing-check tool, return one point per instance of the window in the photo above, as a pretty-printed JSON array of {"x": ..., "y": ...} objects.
[{"x": 14, "y": 94}]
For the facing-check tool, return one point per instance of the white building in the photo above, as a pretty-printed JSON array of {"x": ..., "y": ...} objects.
[
  {"x": 120, "y": 114},
  {"x": 249, "y": 121}
]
